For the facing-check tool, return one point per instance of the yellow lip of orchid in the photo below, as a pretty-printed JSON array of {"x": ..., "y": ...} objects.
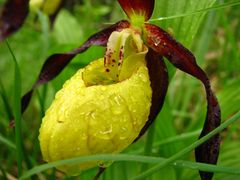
[{"x": 92, "y": 114}]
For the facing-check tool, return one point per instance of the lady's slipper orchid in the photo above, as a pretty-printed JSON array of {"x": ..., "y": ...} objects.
[
  {"x": 110, "y": 103},
  {"x": 101, "y": 109}
]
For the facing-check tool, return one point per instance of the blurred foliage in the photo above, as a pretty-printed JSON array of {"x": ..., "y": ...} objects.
[{"x": 214, "y": 38}]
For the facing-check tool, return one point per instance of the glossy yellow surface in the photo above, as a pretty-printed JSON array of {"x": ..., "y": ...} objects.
[{"x": 97, "y": 119}]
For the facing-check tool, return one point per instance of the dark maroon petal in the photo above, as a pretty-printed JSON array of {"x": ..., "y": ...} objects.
[
  {"x": 26, "y": 99},
  {"x": 13, "y": 14},
  {"x": 57, "y": 62},
  {"x": 139, "y": 7},
  {"x": 159, "y": 84},
  {"x": 161, "y": 42}
]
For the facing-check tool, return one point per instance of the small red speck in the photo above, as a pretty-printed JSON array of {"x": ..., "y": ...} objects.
[
  {"x": 11, "y": 124},
  {"x": 113, "y": 60},
  {"x": 121, "y": 53},
  {"x": 105, "y": 59}
]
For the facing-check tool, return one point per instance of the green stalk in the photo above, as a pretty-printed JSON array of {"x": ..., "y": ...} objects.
[
  {"x": 131, "y": 158},
  {"x": 17, "y": 111},
  {"x": 188, "y": 149}
]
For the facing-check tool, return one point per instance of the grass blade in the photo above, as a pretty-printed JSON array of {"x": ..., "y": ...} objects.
[
  {"x": 17, "y": 111},
  {"x": 130, "y": 158}
]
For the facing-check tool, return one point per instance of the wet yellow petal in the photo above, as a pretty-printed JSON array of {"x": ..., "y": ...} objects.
[{"x": 102, "y": 118}]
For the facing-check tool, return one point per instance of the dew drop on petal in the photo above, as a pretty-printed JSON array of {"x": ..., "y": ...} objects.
[{"x": 143, "y": 77}]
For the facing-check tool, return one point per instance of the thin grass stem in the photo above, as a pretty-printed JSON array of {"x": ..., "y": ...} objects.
[{"x": 17, "y": 111}]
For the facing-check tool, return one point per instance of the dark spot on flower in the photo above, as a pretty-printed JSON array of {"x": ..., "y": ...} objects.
[
  {"x": 121, "y": 53},
  {"x": 107, "y": 70},
  {"x": 113, "y": 60},
  {"x": 119, "y": 64}
]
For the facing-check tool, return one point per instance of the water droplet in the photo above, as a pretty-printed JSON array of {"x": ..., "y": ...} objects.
[
  {"x": 60, "y": 120},
  {"x": 124, "y": 133},
  {"x": 83, "y": 136},
  {"x": 103, "y": 88},
  {"x": 59, "y": 94},
  {"x": 90, "y": 114},
  {"x": 123, "y": 120},
  {"x": 156, "y": 41},
  {"x": 143, "y": 77},
  {"x": 66, "y": 114},
  {"x": 101, "y": 97},
  {"x": 101, "y": 164},
  {"x": 105, "y": 163},
  {"x": 107, "y": 131},
  {"x": 116, "y": 110},
  {"x": 119, "y": 100}
]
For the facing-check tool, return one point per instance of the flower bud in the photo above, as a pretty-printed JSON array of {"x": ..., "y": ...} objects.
[{"x": 49, "y": 7}]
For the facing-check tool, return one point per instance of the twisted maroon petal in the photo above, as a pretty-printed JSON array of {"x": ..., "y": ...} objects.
[
  {"x": 161, "y": 42},
  {"x": 57, "y": 62},
  {"x": 139, "y": 7},
  {"x": 13, "y": 14},
  {"x": 159, "y": 84}
]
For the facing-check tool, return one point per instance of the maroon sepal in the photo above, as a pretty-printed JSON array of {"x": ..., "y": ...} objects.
[
  {"x": 161, "y": 42},
  {"x": 57, "y": 62},
  {"x": 13, "y": 14},
  {"x": 139, "y": 7},
  {"x": 159, "y": 84}
]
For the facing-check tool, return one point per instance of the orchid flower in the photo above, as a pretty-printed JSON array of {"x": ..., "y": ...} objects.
[{"x": 111, "y": 103}]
